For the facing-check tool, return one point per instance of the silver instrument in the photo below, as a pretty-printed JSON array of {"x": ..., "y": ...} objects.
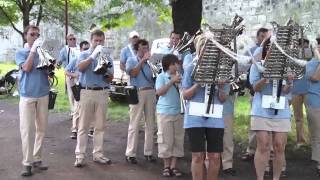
[
  {"x": 48, "y": 56},
  {"x": 213, "y": 64},
  {"x": 277, "y": 65},
  {"x": 104, "y": 63}
]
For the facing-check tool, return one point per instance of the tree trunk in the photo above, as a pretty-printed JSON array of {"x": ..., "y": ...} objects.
[{"x": 187, "y": 15}]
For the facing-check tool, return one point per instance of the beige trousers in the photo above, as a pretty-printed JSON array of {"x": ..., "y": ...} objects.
[
  {"x": 75, "y": 117},
  {"x": 146, "y": 106},
  {"x": 313, "y": 115},
  {"x": 297, "y": 105},
  {"x": 70, "y": 82},
  {"x": 170, "y": 135},
  {"x": 93, "y": 107},
  {"x": 228, "y": 146},
  {"x": 33, "y": 114}
]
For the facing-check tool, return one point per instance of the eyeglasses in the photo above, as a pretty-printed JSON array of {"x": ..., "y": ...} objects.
[
  {"x": 135, "y": 37},
  {"x": 34, "y": 34},
  {"x": 72, "y": 39}
]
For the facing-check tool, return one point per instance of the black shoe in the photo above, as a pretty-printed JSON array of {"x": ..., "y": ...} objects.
[
  {"x": 40, "y": 166},
  {"x": 90, "y": 134},
  {"x": 73, "y": 135},
  {"x": 132, "y": 160},
  {"x": 150, "y": 158},
  {"x": 26, "y": 171},
  {"x": 267, "y": 174},
  {"x": 247, "y": 157},
  {"x": 230, "y": 172},
  {"x": 283, "y": 174},
  {"x": 318, "y": 172}
]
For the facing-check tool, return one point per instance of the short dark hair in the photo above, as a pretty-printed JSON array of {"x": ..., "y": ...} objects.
[
  {"x": 30, "y": 27},
  {"x": 97, "y": 32},
  {"x": 262, "y": 30},
  {"x": 175, "y": 32},
  {"x": 168, "y": 60},
  {"x": 143, "y": 42},
  {"x": 82, "y": 43}
]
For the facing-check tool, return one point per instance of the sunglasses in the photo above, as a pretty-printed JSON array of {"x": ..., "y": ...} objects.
[
  {"x": 72, "y": 39},
  {"x": 34, "y": 34},
  {"x": 85, "y": 49},
  {"x": 135, "y": 37}
]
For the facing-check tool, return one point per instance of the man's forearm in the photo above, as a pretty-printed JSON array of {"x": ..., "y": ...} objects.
[
  {"x": 84, "y": 64},
  {"x": 316, "y": 75},
  {"x": 135, "y": 71},
  {"x": 27, "y": 66}
]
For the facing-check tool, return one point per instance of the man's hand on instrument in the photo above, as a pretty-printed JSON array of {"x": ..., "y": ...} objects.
[
  {"x": 146, "y": 57},
  {"x": 96, "y": 51},
  {"x": 37, "y": 43}
]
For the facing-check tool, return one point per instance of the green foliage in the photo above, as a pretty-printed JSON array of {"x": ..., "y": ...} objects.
[
  {"x": 11, "y": 11},
  {"x": 122, "y": 13}
]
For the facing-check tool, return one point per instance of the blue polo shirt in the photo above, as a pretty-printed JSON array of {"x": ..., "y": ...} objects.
[
  {"x": 141, "y": 80},
  {"x": 126, "y": 53},
  {"x": 191, "y": 121},
  {"x": 88, "y": 77},
  {"x": 33, "y": 84},
  {"x": 72, "y": 66},
  {"x": 187, "y": 60},
  {"x": 168, "y": 103},
  {"x": 300, "y": 86},
  {"x": 313, "y": 95},
  {"x": 63, "y": 56},
  {"x": 257, "y": 109}
]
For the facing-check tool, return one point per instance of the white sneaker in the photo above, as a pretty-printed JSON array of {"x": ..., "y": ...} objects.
[
  {"x": 102, "y": 160},
  {"x": 79, "y": 162}
]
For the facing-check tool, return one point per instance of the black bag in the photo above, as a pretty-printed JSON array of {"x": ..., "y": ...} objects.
[
  {"x": 76, "y": 91},
  {"x": 52, "y": 99},
  {"x": 131, "y": 94}
]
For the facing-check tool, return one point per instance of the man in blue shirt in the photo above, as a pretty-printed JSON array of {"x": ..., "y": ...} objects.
[
  {"x": 93, "y": 101},
  {"x": 33, "y": 105},
  {"x": 128, "y": 51},
  {"x": 249, "y": 154},
  {"x": 299, "y": 92},
  {"x": 142, "y": 78},
  {"x": 67, "y": 54},
  {"x": 313, "y": 106},
  {"x": 72, "y": 73}
]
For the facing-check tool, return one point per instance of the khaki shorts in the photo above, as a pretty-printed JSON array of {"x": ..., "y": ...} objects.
[
  {"x": 272, "y": 125},
  {"x": 170, "y": 136}
]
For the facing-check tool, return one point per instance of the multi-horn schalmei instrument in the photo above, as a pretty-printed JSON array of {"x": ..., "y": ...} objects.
[
  {"x": 104, "y": 64},
  {"x": 213, "y": 64}
]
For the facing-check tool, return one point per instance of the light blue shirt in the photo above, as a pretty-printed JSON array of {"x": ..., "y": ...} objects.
[
  {"x": 313, "y": 96},
  {"x": 300, "y": 86},
  {"x": 125, "y": 53},
  {"x": 168, "y": 103},
  {"x": 88, "y": 77},
  {"x": 197, "y": 121},
  {"x": 35, "y": 83},
  {"x": 257, "y": 109},
  {"x": 187, "y": 60},
  {"x": 228, "y": 106},
  {"x": 140, "y": 80},
  {"x": 72, "y": 66},
  {"x": 63, "y": 56}
]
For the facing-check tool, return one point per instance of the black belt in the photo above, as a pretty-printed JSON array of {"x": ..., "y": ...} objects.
[{"x": 94, "y": 88}]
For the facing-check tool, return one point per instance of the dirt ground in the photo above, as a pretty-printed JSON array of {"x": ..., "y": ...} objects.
[{"x": 59, "y": 155}]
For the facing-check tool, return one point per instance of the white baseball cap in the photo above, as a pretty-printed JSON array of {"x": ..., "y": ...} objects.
[{"x": 133, "y": 34}]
